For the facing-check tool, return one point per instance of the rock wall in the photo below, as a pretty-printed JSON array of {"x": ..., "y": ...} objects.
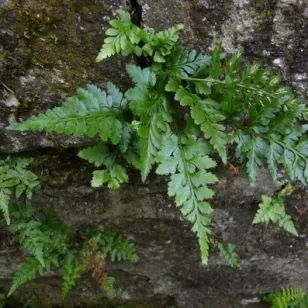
[{"x": 47, "y": 49}]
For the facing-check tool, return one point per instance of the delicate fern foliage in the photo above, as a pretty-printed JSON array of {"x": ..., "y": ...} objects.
[
  {"x": 288, "y": 298},
  {"x": 89, "y": 113},
  {"x": 115, "y": 246},
  {"x": 48, "y": 241},
  {"x": 15, "y": 177},
  {"x": 152, "y": 109},
  {"x": 229, "y": 254},
  {"x": 126, "y": 38},
  {"x": 161, "y": 44},
  {"x": 272, "y": 210},
  {"x": 224, "y": 106},
  {"x": 29, "y": 270},
  {"x": 72, "y": 270},
  {"x": 109, "y": 285},
  {"x": 181, "y": 157},
  {"x": 114, "y": 174}
]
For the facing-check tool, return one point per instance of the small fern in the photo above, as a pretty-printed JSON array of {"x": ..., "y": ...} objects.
[
  {"x": 72, "y": 270},
  {"x": 272, "y": 210},
  {"x": 229, "y": 254},
  {"x": 15, "y": 177},
  {"x": 29, "y": 270},
  {"x": 288, "y": 298},
  {"x": 115, "y": 246}
]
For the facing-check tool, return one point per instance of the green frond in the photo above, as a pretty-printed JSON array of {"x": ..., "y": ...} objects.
[
  {"x": 206, "y": 113},
  {"x": 287, "y": 298},
  {"x": 72, "y": 271},
  {"x": 118, "y": 248},
  {"x": 272, "y": 210},
  {"x": 229, "y": 254},
  {"x": 15, "y": 176},
  {"x": 108, "y": 285},
  {"x": 289, "y": 151},
  {"x": 160, "y": 44},
  {"x": 181, "y": 63},
  {"x": 114, "y": 174},
  {"x": 184, "y": 157},
  {"x": 27, "y": 271},
  {"x": 151, "y": 107},
  {"x": 89, "y": 113},
  {"x": 123, "y": 37}
]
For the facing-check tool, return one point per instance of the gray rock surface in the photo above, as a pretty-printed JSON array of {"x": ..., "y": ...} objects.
[{"x": 47, "y": 49}]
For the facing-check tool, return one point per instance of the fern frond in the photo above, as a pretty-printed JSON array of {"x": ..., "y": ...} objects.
[
  {"x": 13, "y": 174},
  {"x": 181, "y": 63},
  {"x": 229, "y": 254},
  {"x": 189, "y": 181},
  {"x": 27, "y": 271},
  {"x": 287, "y": 297},
  {"x": 89, "y": 113},
  {"x": 99, "y": 155},
  {"x": 108, "y": 285},
  {"x": 72, "y": 270},
  {"x": 115, "y": 246},
  {"x": 160, "y": 44},
  {"x": 152, "y": 109},
  {"x": 207, "y": 114},
  {"x": 123, "y": 37},
  {"x": 290, "y": 151},
  {"x": 272, "y": 210}
]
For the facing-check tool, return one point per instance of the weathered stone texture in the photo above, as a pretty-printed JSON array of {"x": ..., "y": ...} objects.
[{"x": 47, "y": 49}]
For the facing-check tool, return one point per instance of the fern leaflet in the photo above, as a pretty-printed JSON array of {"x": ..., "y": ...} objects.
[{"x": 91, "y": 112}]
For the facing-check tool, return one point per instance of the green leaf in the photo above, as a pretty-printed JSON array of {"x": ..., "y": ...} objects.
[{"x": 89, "y": 113}]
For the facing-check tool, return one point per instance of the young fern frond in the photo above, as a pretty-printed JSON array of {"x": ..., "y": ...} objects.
[
  {"x": 89, "y": 113},
  {"x": 184, "y": 157}
]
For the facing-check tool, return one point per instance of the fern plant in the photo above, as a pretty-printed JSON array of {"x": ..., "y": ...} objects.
[
  {"x": 229, "y": 254},
  {"x": 185, "y": 112},
  {"x": 273, "y": 210},
  {"x": 288, "y": 297},
  {"x": 15, "y": 178},
  {"x": 49, "y": 244}
]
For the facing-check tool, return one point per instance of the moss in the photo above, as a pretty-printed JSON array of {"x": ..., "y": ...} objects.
[{"x": 50, "y": 36}]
